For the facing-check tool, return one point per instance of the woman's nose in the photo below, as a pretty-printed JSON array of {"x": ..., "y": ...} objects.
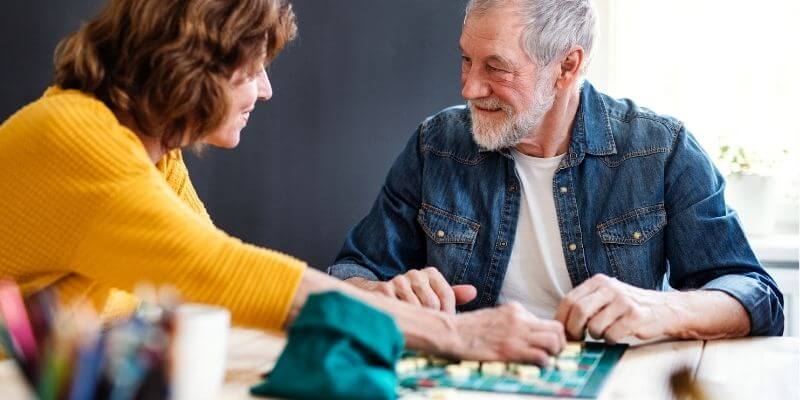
[{"x": 264, "y": 86}]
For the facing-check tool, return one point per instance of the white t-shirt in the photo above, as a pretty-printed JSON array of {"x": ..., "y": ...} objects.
[{"x": 537, "y": 274}]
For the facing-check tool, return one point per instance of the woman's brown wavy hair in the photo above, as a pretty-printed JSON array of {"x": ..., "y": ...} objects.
[{"x": 168, "y": 63}]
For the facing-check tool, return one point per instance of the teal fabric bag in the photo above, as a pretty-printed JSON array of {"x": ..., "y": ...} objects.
[{"x": 338, "y": 348}]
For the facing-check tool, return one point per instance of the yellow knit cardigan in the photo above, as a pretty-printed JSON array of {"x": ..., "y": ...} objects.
[{"x": 83, "y": 209}]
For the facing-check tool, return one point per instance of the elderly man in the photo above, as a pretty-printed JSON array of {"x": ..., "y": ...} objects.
[{"x": 545, "y": 192}]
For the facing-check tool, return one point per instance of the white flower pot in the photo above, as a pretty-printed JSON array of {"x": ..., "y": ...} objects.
[{"x": 754, "y": 197}]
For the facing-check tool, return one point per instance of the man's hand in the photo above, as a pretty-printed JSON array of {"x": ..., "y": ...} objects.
[
  {"x": 614, "y": 310},
  {"x": 425, "y": 287},
  {"x": 506, "y": 333}
]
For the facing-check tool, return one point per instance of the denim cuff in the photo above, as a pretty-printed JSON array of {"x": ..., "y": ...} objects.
[
  {"x": 755, "y": 298},
  {"x": 347, "y": 271}
]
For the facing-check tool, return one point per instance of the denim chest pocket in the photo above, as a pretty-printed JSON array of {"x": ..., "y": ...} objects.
[
  {"x": 450, "y": 241},
  {"x": 635, "y": 247}
]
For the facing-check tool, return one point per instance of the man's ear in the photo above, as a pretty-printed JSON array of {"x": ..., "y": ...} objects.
[{"x": 570, "y": 68}]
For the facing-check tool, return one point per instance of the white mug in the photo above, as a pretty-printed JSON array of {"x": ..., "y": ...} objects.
[{"x": 199, "y": 351}]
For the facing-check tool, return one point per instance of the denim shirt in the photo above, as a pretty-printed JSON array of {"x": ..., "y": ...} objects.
[{"x": 636, "y": 196}]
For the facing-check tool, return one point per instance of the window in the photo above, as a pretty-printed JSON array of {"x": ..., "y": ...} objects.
[{"x": 729, "y": 70}]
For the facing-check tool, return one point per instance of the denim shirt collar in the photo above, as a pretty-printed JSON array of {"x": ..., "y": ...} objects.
[
  {"x": 592, "y": 128},
  {"x": 591, "y": 132}
]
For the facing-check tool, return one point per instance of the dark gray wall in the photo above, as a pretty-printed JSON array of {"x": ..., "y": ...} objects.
[{"x": 347, "y": 96}]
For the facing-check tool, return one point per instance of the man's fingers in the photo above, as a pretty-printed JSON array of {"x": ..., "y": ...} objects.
[
  {"x": 422, "y": 289},
  {"x": 619, "y": 330},
  {"x": 403, "y": 291},
  {"x": 580, "y": 313},
  {"x": 464, "y": 293},
  {"x": 555, "y": 327},
  {"x": 576, "y": 295},
  {"x": 602, "y": 321},
  {"x": 547, "y": 341},
  {"x": 441, "y": 288},
  {"x": 547, "y": 335},
  {"x": 384, "y": 288},
  {"x": 532, "y": 354},
  {"x": 427, "y": 297}
]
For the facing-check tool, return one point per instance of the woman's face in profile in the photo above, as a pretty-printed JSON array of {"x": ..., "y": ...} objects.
[{"x": 246, "y": 89}]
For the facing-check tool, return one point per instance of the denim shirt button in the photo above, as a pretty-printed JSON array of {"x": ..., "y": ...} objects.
[
  {"x": 502, "y": 244},
  {"x": 572, "y": 247},
  {"x": 512, "y": 188},
  {"x": 563, "y": 189},
  {"x": 637, "y": 235},
  {"x": 439, "y": 234}
]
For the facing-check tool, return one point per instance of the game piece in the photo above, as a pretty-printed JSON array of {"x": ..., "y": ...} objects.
[
  {"x": 472, "y": 365},
  {"x": 566, "y": 365},
  {"x": 573, "y": 347},
  {"x": 568, "y": 356},
  {"x": 457, "y": 371},
  {"x": 528, "y": 372},
  {"x": 405, "y": 366},
  {"x": 572, "y": 350},
  {"x": 420, "y": 362},
  {"x": 493, "y": 368},
  {"x": 442, "y": 394}
]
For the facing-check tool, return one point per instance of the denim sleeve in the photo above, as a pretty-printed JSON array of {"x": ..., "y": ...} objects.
[
  {"x": 388, "y": 241},
  {"x": 706, "y": 246}
]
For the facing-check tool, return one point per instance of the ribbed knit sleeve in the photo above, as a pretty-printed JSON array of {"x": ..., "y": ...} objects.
[
  {"x": 145, "y": 233},
  {"x": 86, "y": 211}
]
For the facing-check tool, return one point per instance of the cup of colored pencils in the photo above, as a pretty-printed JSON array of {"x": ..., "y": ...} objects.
[{"x": 66, "y": 352}]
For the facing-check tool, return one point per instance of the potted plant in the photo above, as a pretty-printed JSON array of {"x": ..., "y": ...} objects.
[{"x": 752, "y": 184}]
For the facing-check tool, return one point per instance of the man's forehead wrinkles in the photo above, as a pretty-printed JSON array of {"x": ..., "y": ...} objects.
[
  {"x": 476, "y": 35},
  {"x": 496, "y": 49}
]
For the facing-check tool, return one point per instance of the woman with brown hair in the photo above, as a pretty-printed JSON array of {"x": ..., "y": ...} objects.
[{"x": 96, "y": 197}]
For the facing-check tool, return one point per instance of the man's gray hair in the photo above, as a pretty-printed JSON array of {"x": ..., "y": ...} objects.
[{"x": 551, "y": 26}]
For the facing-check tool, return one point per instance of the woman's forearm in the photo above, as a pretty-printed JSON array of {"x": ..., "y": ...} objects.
[
  {"x": 504, "y": 333},
  {"x": 423, "y": 329}
]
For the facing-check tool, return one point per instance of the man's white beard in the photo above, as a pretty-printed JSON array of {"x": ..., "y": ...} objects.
[{"x": 513, "y": 128}]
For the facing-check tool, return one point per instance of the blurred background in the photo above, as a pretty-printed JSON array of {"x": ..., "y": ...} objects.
[{"x": 363, "y": 73}]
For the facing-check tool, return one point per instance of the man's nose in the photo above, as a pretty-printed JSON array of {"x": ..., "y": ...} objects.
[{"x": 473, "y": 86}]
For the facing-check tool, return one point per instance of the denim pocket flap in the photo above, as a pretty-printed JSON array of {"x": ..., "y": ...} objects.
[
  {"x": 635, "y": 226},
  {"x": 443, "y": 227}
]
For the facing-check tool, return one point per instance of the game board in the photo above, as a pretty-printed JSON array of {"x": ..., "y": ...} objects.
[{"x": 579, "y": 373}]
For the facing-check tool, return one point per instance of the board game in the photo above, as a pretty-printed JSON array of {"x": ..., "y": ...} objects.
[{"x": 580, "y": 372}]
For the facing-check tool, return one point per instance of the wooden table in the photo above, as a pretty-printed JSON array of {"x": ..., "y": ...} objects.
[{"x": 748, "y": 368}]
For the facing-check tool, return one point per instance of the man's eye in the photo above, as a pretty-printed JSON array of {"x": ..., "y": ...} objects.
[{"x": 494, "y": 69}]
